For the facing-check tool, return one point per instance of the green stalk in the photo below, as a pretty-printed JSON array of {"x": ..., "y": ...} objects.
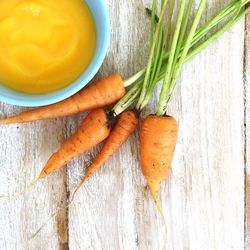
[
  {"x": 152, "y": 51},
  {"x": 157, "y": 57},
  {"x": 178, "y": 49},
  {"x": 199, "y": 34},
  {"x": 210, "y": 40},
  {"x": 124, "y": 102},
  {"x": 134, "y": 78},
  {"x": 209, "y": 25},
  {"x": 169, "y": 23},
  {"x": 183, "y": 31},
  {"x": 153, "y": 22},
  {"x": 160, "y": 46},
  {"x": 163, "y": 102},
  {"x": 172, "y": 51},
  {"x": 217, "y": 34},
  {"x": 151, "y": 87},
  {"x": 165, "y": 40},
  {"x": 128, "y": 99}
]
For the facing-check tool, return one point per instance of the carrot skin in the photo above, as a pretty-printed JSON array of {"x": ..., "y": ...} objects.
[
  {"x": 93, "y": 130},
  {"x": 158, "y": 138},
  {"x": 125, "y": 126},
  {"x": 98, "y": 94}
]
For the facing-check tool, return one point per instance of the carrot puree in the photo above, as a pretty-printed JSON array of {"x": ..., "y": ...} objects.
[{"x": 44, "y": 44}]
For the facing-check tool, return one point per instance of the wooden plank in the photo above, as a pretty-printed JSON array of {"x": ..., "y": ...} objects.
[
  {"x": 104, "y": 213},
  {"x": 23, "y": 151},
  {"x": 209, "y": 173},
  {"x": 247, "y": 126},
  {"x": 204, "y": 198}
]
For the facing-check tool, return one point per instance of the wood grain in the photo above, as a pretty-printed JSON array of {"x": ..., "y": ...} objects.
[
  {"x": 23, "y": 151},
  {"x": 204, "y": 198},
  {"x": 108, "y": 202}
]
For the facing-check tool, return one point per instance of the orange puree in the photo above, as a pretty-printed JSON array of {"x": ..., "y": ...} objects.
[{"x": 44, "y": 44}]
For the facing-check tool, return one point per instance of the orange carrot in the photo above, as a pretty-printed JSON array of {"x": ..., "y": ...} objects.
[
  {"x": 158, "y": 137},
  {"x": 94, "y": 129},
  {"x": 125, "y": 126},
  {"x": 98, "y": 94}
]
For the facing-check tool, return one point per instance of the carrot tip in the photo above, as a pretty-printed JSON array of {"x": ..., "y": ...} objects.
[
  {"x": 17, "y": 195},
  {"x": 77, "y": 188},
  {"x": 42, "y": 175},
  {"x": 154, "y": 193},
  {"x": 41, "y": 228},
  {"x": 48, "y": 219}
]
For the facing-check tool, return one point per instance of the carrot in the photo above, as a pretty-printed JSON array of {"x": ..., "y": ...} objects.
[
  {"x": 94, "y": 129},
  {"x": 125, "y": 126},
  {"x": 98, "y": 94},
  {"x": 159, "y": 133},
  {"x": 158, "y": 137}
]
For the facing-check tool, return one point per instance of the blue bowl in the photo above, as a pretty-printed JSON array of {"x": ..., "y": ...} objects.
[{"x": 100, "y": 13}]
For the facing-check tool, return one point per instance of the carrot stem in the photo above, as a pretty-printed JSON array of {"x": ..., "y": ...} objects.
[
  {"x": 204, "y": 30},
  {"x": 152, "y": 52},
  {"x": 217, "y": 34},
  {"x": 171, "y": 54},
  {"x": 158, "y": 53},
  {"x": 170, "y": 79},
  {"x": 153, "y": 23},
  {"x": 134, "y": 78},
  {"x": 183, "y": 31},
  {"x": 128, "y": 100},
  {"x": 159, "y": 60},
  {"x": 217, "y": 19},
  {"x": 229, "y": 10},
  {"x": 123, "y": 103}
]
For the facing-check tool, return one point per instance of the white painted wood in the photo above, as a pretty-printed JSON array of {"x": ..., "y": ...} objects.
[
  {"x": 208, "y": 174},
  {"x": 204, "y": 198},
  {"x": 23, "y": 151},
  {"x": 108, "y": 202}
]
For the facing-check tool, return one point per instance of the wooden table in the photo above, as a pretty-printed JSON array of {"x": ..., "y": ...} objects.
[{"x": 206, "y": 198}]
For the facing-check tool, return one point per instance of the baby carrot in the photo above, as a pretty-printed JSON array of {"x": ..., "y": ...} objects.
[
  {"x": 98, "y": 94},
  {"x": 125, "y": 126},
  {"x": 158, "y": 137},
  {"x": 94, "y": 129}
]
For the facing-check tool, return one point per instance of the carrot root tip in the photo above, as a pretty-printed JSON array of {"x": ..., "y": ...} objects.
[
  {"x": 21, "y": 193},
  {"x": 154, "y": 193}
]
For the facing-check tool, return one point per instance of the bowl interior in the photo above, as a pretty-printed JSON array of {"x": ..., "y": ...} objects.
[{"x": 100, "y": 13}]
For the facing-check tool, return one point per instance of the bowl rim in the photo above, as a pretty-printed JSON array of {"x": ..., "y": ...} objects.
[{"x": 29, "y": 100}]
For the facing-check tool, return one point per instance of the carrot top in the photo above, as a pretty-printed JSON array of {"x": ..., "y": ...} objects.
[{"x": 165, "y": 65}]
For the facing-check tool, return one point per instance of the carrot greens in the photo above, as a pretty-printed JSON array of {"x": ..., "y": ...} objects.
[
  {"x": 169, "y": 81},
  {"x": 166, "y": 64},
  {"x": 156, "y": 41},
  {"x": 169, "y": 50}
]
